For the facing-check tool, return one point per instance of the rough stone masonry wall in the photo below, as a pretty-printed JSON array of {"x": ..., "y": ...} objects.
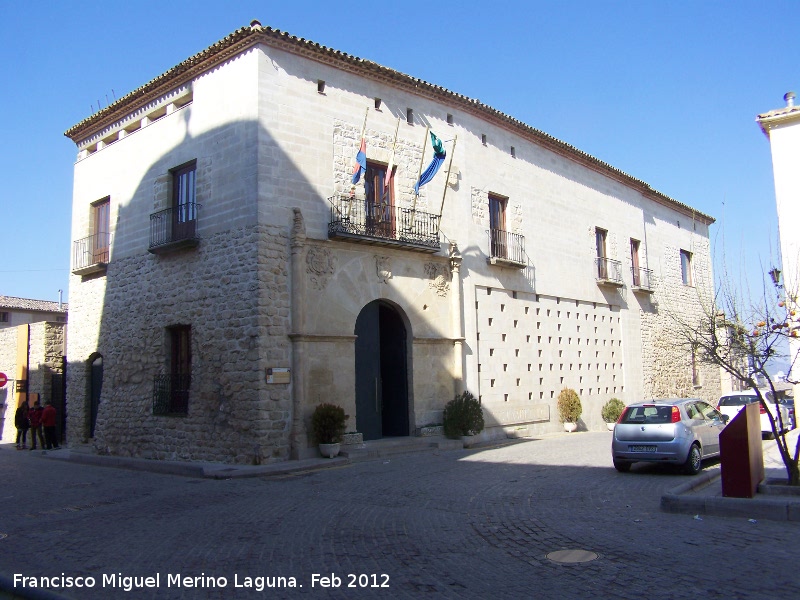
[
  {"x": 44, "y": 356},
  {"x": 233, "y": 291},
  {"x": 666, "y": 360}
]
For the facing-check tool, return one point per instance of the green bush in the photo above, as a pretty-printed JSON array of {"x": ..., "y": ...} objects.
[
  {"x": 569, "y": 406},
  {"x": 612, "y": 410},
  {"x": 463, "y": 415},
  {"x": 327, "y": 423}
]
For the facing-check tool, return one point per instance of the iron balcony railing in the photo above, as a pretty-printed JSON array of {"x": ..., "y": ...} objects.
[
  {"x": 642, "y": 279},
  {"x": 382, "y": 223},
  {"x": 507, "y": 246},
  {"x": 176, "y": 226},
  {"x": 608, "y": 270},
  {"x": 90, "y": 251},
  {"x": 171, "y": 394}
]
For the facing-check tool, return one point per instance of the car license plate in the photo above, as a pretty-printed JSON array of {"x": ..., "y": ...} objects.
[{"x": 642, "y": 448}]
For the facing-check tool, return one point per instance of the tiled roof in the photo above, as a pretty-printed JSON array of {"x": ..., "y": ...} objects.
[
  {"x": 28, "y": 304},
  {"x": 768, "y": 119},
  {"x": 246, "y": 37}
]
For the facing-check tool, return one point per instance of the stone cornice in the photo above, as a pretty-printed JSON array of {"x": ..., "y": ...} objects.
[{"x": 247, "y": 37}]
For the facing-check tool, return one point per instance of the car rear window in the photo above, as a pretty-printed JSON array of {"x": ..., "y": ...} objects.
[
  {"x": 736, "y": 400},
  {"x": 648, "y": 414},
  {"x": 742, "y": 400}
]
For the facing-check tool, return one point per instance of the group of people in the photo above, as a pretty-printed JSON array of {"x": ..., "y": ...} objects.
[{"x": 40, "y": 421}]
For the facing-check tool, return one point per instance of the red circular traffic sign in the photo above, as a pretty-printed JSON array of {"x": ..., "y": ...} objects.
[{"x": 3, "y": 379}]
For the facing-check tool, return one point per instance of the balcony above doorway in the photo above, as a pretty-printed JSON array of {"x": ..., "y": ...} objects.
[
  {"x": 643, "y": 281},
  {"x": 90, "y": 254},
  {"x": 506, "y": 249},
  {"x": 356, "y": 220},
  {"x": 608, "y": 272},
  {"x": 174, "y": 228}
]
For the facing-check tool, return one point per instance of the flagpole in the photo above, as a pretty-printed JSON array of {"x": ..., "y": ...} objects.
[
  {"x": 447, "y": 179},
  {"x": 421, "y": 162},
  {"x": 391, "y": 159},
  {"x": 353, "y": 188}
]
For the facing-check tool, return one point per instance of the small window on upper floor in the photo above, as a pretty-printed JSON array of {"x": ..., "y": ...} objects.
[
  {"x": 686, "y": 267},
  {"x": 4, "y": 317}
]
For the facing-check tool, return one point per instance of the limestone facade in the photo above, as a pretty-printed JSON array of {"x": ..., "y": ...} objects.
[{"x": 277, "y": 305}]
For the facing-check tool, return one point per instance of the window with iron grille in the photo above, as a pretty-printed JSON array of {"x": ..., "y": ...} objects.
[
  {"x": 171, "y": 391},
  {"x": 3, "y": 317}
]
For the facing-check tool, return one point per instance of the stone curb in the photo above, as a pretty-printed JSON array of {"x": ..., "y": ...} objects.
[
  {"x": 771, "y": 508},
  {"x": 201, "y": 470}
]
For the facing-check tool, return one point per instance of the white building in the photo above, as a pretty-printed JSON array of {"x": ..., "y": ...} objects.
[
  {"x": 782, "y": 128},
  {"x": 225, "y": 281}
]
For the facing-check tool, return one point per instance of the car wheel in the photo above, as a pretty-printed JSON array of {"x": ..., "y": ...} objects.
[
  {"x": 622, "y": 467},
  {"x": 694, "y": 462}
]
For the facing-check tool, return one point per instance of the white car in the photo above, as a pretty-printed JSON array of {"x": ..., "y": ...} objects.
[{"x": 731, "y": 404}]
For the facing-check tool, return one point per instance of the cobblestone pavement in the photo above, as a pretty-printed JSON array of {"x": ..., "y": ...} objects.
[{"x": 459, "y": 524}]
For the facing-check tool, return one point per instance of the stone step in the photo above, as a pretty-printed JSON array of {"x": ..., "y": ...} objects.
[{"x": 374, "y": 449}]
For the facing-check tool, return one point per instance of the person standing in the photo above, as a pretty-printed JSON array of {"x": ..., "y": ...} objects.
[
  {"x": 35, "y": 417},
  {"x": 22, "y": 424},
  {"x": 49, "y": 424}
]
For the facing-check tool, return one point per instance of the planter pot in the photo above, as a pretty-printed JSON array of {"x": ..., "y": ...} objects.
[
  {"x": 570, "y": 427},
  {"x": 329, "y": 450},
  {"x": 468, "y": 440},
  {"x": 610, "y": 426}
]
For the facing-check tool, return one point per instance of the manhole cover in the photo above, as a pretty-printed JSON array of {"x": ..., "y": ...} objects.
[{"x": 572, "y": 556}]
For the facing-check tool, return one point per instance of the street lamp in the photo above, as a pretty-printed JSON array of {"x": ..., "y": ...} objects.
[{"x": 775, "y": 275}]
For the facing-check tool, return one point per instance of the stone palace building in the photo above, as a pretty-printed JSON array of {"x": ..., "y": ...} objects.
[{"x": 228, "y": 275}]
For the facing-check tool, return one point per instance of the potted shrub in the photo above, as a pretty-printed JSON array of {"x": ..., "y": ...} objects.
[
  {"x": 327, "y": 427},
  {"x": 569, "y": 409},
  {"x": 611, "y": 411},
  {"x": 463, "y": 416}
]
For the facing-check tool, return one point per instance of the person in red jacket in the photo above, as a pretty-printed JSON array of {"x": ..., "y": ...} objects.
[
  {"x": 49, "y": 424},
  {"x": 35, "y": 417}
]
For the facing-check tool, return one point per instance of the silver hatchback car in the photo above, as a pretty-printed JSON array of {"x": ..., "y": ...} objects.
[{"x": 680, "y": 431}]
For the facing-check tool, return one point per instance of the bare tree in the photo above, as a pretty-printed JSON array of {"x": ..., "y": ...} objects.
[{"x": 743, "y": 338}]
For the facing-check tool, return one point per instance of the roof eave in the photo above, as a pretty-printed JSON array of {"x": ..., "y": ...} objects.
[{"x": 247, "y": 37}]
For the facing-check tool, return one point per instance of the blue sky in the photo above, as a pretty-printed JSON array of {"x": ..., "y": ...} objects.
[{"x": 665, "y": 91}]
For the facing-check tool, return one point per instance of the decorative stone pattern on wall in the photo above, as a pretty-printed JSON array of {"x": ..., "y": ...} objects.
[
  {"x": 531, "y": 347},
  {"x": 480, "y": 207},
  {"x": 666, "y": 359},
  {"x": 233, "y": 291},
  {"x": 407, "y": 156}
]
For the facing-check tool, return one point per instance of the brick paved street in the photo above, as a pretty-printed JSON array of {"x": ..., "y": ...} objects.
[{"x": 457, "y": 524}]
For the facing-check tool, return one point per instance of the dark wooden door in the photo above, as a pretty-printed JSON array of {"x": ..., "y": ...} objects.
[
  {"x": 96, "y": 386},
  {"x": 382, "y": 407},
  {"x": 368, "y": 373}
]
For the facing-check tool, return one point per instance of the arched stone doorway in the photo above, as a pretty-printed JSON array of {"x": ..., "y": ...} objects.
[
  {"x": 95, "y": 388},
  {"x": 382, "y": 403}
]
